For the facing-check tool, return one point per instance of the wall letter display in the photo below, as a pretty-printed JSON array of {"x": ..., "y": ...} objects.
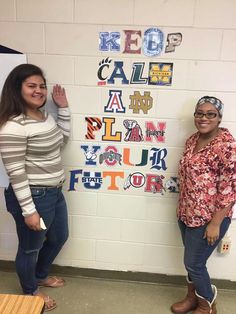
[
  {"x": 150, "y": 43},
  {"x": 109, "y": 41},
  {"x": 159, "y": 73},
  {"x": 115, "y": 102},
  {"x": 153, "y": 42},
  {"x": 141, "y": 102},
  {"x": 122, "y": 182},
  {"x": 174, "y": 40},
  {"x": 131, "y": 167},
  {"x": 115, "y": 157},
  {"x": 132, "y": 130}
]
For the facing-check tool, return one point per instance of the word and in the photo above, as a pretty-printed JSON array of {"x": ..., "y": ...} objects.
[{"x": 138, "y": 102}]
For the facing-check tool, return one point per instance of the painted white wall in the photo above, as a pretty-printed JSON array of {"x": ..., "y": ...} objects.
[{"x": 126, "y": 230}]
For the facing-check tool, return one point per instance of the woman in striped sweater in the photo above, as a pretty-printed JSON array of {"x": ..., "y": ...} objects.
[{"x": 30, "y": 145}]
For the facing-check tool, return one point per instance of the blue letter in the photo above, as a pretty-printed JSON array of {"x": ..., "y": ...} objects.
[
  {"x": 107, "y": 42},
  {"x": 157, "y": 158},
  {"x": 115, "y": 74},
  {"x": 74, "y": 179}
]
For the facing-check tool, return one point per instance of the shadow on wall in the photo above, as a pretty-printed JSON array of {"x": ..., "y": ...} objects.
[{"x": 2, "y": 199}]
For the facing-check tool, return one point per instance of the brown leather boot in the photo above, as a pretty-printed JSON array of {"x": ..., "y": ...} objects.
[
  {"x": 189, "y": 303},
  {"x": 204, "y": 306}
]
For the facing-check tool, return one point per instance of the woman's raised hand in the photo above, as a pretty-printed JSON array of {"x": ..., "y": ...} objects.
[{"x": 59, "y": 96}]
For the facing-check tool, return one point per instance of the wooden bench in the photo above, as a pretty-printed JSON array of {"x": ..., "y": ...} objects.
[{"x": 21, "y": 304}]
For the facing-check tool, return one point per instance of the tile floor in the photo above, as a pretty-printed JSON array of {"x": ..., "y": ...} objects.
[{"x": 83, "y": 295}]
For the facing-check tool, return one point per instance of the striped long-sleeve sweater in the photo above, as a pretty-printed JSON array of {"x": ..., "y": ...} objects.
[{"x": 30, "y": 152}]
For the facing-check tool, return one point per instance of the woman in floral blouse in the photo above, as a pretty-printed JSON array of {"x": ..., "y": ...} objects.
[{"x": 207, "y": 194}]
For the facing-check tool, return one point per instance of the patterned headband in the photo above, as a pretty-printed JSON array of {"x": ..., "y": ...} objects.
[{"x": 214, "y": 101}]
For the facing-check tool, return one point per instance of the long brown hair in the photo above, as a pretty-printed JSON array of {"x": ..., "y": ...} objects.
[{"x": 12, "y": 103}]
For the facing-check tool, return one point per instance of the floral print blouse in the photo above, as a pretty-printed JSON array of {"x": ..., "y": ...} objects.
[{"x": 207, "y": 179}]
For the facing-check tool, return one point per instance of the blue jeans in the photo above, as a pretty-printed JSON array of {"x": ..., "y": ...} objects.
[
  {"x": 38, "y": 249},
  {"x": 196, "y": 253}
]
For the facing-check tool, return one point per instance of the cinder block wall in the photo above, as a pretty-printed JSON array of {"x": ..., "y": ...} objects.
[{"x": 117, "y": 229}]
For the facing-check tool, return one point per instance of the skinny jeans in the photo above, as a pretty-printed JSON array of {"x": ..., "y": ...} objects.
[
  {"x": 196, "y": 253},
  {"x": 38, "y": 249}
]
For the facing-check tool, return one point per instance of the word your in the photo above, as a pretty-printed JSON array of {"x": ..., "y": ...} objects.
[{"x": 111, "y": 157}]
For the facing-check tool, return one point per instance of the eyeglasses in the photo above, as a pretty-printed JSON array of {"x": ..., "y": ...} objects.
[{"x": 208, "y": 115}]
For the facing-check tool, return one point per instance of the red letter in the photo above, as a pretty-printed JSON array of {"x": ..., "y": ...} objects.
[{"x": 129, "y": 41}]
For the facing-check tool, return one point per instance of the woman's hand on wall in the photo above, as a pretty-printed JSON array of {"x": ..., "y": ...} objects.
[{"x": 59, "y": 96}]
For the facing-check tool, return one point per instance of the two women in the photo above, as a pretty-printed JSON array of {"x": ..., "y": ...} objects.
[{"x": 30, "y": 146}]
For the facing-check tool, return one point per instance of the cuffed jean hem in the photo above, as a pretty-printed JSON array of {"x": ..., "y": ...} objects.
[
  {"x": 196, "y": 253},
  {"x": 35, "y": 292}
]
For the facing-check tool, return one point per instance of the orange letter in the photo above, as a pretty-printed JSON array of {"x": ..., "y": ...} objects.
[
  {"x": 108, "y": 130},
  {"x": 113, "y": 176}
]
